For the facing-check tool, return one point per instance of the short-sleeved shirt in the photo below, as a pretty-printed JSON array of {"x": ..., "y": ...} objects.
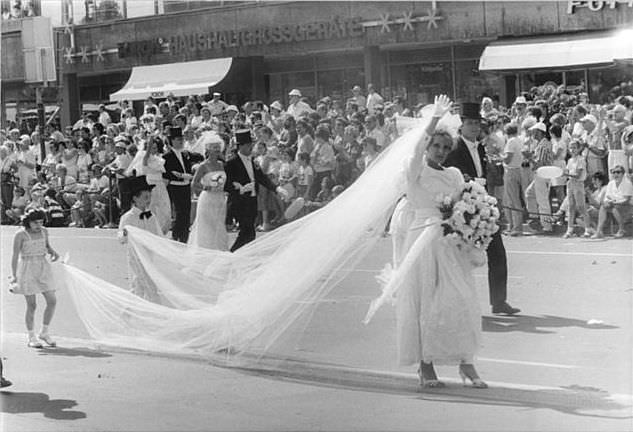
[
  {"x": 621, "y": 192},
  {"x": 576, "y": 164},
  {"x": 514, "y": 146}
]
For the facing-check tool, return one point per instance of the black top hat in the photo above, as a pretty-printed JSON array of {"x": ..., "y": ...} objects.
[
  {"x": 139, "y": 184},
  {"x": 243, "y": 136},
  {"x": 175, "y": 132},
  {"x": 470, "y": 110}
]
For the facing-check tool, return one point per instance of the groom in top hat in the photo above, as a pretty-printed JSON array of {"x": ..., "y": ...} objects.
[
  {"x": 243, "y": 180},
  {"x": 178, "y": 171},
  {"x": 469, "y": 156}
]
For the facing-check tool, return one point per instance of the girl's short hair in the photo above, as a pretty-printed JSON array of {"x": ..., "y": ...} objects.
[
  {"x": 601, "y": 177},
  {"x": 323, "y": 132},
  {"x": 511, "y": 129},
  {"x": 32, "y": 215}
]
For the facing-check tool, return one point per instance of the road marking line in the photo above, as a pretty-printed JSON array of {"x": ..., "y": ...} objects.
[
  {"x": 571, "y": 253},
  {"x": 528, "y": 363},
  {"x": 83, "y": 237}
]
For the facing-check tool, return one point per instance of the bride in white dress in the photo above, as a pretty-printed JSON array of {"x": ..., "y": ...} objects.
[
  {"x": 149, "y": 163},
  {"x": 209, "y": 229},
  {"x": 438, "y": 317}
]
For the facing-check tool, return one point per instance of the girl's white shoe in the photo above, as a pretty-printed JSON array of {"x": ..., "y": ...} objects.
[{"x": 48, "y": 339}]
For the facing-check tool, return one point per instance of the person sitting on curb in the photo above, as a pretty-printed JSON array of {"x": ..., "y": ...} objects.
[{"x": 618, "y": 201}]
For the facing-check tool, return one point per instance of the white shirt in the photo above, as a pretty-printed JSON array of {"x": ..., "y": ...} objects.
[
  {"x": 373, "y": 99},
  {"x": 472, "y": 148},
  {"x": 133, "y": 218},
  {"x": 248, "y": 164},
  {"x": 178, "y": 154},
  {"x": 297, "y": 109},
  {"x": 104, "y": 118},
  {"x": 621, "y": 192}
]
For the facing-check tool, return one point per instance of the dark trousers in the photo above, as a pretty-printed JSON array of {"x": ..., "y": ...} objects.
[
  {"x": 497, "y": 270},
  {"x": 124, "y": 194},
  {"x": 7, "y": 198},
  {"x": 180, "y": 197},
  {"x": 245, "y": 212}
]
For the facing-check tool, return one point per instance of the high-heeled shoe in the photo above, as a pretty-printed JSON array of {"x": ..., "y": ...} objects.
[
  {"x": 429, "y": 382},
  {"x": 472, "y": 377}
]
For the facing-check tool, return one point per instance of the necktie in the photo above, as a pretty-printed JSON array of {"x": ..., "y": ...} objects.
[{"x": 145, "y": 215}]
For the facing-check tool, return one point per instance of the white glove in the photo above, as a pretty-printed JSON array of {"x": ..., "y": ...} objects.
[
  {"x": 442, "y": 105},
  {"x": 248, "y": 187}
]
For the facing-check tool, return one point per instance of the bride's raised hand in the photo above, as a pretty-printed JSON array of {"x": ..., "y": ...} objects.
[{"x": 442, "y": 105}]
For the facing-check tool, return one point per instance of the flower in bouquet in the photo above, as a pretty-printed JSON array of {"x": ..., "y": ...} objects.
[
  {"x": 217, "y": 180},
  {"x": 470, "y": 217}
]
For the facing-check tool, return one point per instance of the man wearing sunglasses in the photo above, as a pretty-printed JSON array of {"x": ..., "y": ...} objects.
[{"x": 618, "y": 201}]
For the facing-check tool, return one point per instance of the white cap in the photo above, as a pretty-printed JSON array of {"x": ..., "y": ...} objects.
[
  {"x": 539, "y": 126},
  {"x": 356, "y": 88},
  {"x": 232, "y": 108},
  {"x": 590, "y": 117},
  {"x": 294, "y": 92},
  {"x": 277, "y": 106},
  {"x": 520, "y": 100},
  {"x": 217, "y": 94}
]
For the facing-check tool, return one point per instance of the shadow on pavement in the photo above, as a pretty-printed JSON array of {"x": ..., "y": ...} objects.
[
  {"x": 73, "y": 352},
  {"x": 535, "y": 324},
  {"x": 22, "y": 403}
]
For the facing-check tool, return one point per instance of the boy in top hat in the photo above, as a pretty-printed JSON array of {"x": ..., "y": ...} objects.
[
  {"x": 139, "y": 216},
  {"x": 242, "y": 184},
  {"x": 179, "y": 172},
  {"x": 469, "y": 156}
]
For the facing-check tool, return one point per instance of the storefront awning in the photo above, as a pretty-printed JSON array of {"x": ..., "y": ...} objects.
[
  {"x": 554, "y": 52},
  {"x": 179, "y": 79}
]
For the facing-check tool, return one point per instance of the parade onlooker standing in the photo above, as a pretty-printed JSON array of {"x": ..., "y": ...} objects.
[
  {"x": 32, "y": 274},
  {"x": 373, "y": 99},
  {"x": 577, "y": 172},
  {"x": 596, "y": 146},
  {"x": 616, "y": 126},
  {"x": 26, "y": 162},
  {"x": 322, "y": 157},
  {"x": 104, "y": 117},
  {"x": 537, "y": 193},
  {"x": 216, "y": 105},
  {"x": 119, "y": 166},
  {"x": 297, "y": 107}
]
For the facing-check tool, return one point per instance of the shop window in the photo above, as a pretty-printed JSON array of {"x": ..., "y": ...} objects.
[
  {"x": 472, "y": 84},
  {"x": 606, "y": 84},
  {"x": 420, "y": 83}
]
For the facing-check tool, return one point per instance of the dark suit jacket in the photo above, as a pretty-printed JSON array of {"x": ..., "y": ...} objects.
[
  {"x": 460, "y": 158},
  {"x": 236, "y": 172},
  {"x": 173, "y": 164}
]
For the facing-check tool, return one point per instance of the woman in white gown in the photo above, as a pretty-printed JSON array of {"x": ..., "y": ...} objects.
[
  {"x": 150, "y": 164},
  {"x": 208, "y": 230},
  {"x": 438, "y": 317}
]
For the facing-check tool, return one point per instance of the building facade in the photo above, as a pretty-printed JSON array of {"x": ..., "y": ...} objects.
[{"x": 414, "y": 49}]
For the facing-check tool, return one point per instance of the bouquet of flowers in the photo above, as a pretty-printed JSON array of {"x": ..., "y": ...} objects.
[
  {"x": 471, "y": 217},
  {"x": 215, "y": 180}
]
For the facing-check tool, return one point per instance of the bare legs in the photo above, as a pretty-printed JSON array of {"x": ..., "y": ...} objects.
[{"x": 29, "y": 318}]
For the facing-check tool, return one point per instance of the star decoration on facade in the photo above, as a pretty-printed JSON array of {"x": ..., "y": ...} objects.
[
  {"x": 99, "y": 52},
  {"x": 68, "y": 55},
  {"x": 432, "y": 18},
  {"x": 68, "y": 28},
  {"x": 84, "y": 54},
  {"x": 407, "y": 23},
  {"x": 384, "y": 24}
]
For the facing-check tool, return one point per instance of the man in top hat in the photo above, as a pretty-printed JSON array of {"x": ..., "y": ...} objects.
[
  {"x": 469, "y": 156},
  {"x": 178, "y": 170},
  {"x": 243, "y": 181},
  {"x": 139, "y": 216}
]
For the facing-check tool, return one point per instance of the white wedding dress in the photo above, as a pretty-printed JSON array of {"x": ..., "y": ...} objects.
[
  {"x": 254, "y": 304},
  {"x": 209, "y": 229},
  {"x": 438, "y": 316}
]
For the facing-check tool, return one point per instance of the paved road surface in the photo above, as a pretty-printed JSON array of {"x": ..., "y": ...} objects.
[{"x": 564, "y": 364}]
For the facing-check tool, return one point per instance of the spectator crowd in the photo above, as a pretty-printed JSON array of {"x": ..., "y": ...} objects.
[{"x": 316, "y": 150}]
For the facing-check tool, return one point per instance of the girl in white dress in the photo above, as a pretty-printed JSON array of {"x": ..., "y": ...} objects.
[
  {"x": 438, "y": 317},
  {"x": 32, "y": 273},
  {"x": 209, "y": 229}
]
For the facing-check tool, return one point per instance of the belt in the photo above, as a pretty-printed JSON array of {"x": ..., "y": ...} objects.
[{"x": 178, "y": 183}]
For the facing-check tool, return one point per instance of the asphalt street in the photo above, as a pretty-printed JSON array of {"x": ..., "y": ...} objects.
[{"x": 564, "y": 364}]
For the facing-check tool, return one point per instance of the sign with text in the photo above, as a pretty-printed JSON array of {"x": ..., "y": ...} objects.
[{"x": 596, "y": 5}]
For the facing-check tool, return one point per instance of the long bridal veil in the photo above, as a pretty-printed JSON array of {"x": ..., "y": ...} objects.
[{"x": 261, "y": 300}]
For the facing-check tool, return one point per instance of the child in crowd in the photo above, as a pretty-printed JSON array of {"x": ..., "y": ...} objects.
[
  {"x": 20, "y": 201},
  {"x": 577, "y": 172},
  {"x": 32, "y": 275},
  {"x": 305, "y": 176},
  {"x": 81, "y": 211}
]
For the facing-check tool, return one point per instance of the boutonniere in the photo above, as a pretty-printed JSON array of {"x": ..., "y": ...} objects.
[{"x": 256, "y": 164}]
